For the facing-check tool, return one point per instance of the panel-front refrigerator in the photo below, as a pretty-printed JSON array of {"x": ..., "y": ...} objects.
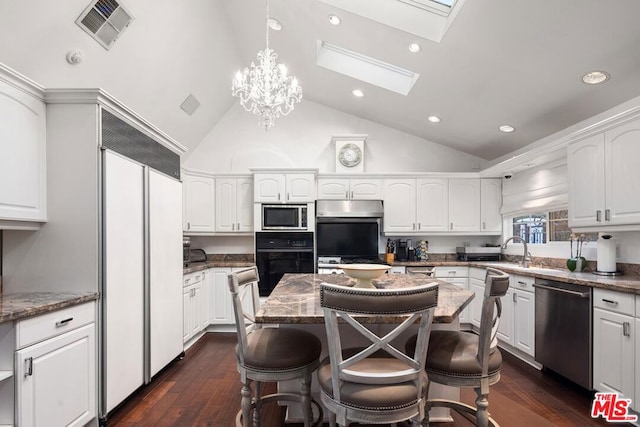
[{"x": 142, "y": 276}]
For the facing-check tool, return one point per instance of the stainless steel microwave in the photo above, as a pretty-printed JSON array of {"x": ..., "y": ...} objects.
[{"x": 284, "y": 217}]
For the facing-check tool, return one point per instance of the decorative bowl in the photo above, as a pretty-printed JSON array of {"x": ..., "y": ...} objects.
[{"x": 364, "y": 273}]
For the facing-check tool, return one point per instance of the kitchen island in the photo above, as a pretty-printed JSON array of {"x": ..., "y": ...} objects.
[{"x": 295, "y": 303}]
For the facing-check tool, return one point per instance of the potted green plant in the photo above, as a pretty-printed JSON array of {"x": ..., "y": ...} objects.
[{"x": 576, "y": 262}]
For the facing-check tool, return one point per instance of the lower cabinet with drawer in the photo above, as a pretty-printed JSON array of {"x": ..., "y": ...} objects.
[
  {"x": 517, "y": 323},
  {"x": 614, "y": 330},
  {"x": 195, "y": 306},
  {"x": 55, "y": 379}
]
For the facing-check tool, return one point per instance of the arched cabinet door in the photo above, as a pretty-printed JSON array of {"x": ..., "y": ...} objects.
[{"x": 22, "y": 155}]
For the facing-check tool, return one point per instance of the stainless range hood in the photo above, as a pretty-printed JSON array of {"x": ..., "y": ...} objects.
[{"x": 349, "y": 209}]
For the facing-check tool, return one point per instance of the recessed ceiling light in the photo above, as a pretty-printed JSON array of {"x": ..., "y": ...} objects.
[
  {"x": 595, "y": 77},
  {"x": 506, "y": 128},
  {"x": 434, "y": 119},
  {"x": 274, "y": 24},
  {"x": 415, "y": 48},
  {"x": 357, "y": 93},
  {"x": 335, "y": 19}
]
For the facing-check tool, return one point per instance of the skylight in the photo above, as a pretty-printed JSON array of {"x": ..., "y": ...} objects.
[
  {"x": 429, "y": 19},
  {"x": 365, "y": 68}
]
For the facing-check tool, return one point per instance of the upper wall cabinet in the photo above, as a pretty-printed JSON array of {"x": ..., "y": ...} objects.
[
  {"x": 22, "y": 153},
  {"x": 349, "y": 189},
  {"x": 199, "y": 203},
  {"x": 604, "y": 178},
  {"x": 464, "y": 204},
  {"x": 234, "y": 204},
  {"x": 281, "y": 187},
  {"x": 490, "y": 203},
  {"x": 442, "y": 206}
]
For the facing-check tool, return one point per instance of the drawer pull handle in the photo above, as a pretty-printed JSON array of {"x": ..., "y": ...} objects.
[
  {"x": 63, "y": 322},
  {"x": 520, "y": 282},
  {"x": 610, "y": 301}
]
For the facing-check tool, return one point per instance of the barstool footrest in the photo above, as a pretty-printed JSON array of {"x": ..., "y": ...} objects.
[
  {"x": 283, "y": 397},
  {"x": 459, "y": 407}
]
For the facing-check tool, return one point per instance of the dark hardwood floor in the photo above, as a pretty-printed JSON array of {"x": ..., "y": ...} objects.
[{"x": 203, "y": 389}]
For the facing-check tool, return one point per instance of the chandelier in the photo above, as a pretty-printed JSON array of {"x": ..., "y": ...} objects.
[{"x": 265, "y": 89}]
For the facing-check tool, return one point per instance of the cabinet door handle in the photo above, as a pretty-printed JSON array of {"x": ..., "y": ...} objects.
[
  {"x": 352, "y": 194},
  {"x": 598, "y": 215},
  {"x": 607, "y": 215},
  {"x": 515, "y": 297},
  {"x": 238, "y": 227},
  {"x": 233, "y": 226},
  {"x": 484, "y": 225},
  {"x": 346, "y": 194},
  {"x": 450, "y": 226},
  {"x": 278, "y": 196},
  {"x": 188, "y": 225},
  {"x": 28, "y": 366},
  {"x": 419, "y": 226},
  {"x": 626, "y": 329},
  {"x": 63, "y": 322},
  {"x": 610, "y": 301},
  {"x": 413, "y": 226},
  {"x": 288, "y": 197}
]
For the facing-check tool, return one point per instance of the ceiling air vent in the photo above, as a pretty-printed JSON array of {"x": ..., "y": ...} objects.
[{"x": 104, "y": 20}]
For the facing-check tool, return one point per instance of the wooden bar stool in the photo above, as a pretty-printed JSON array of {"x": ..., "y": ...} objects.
[
  {"x": 379, "y": 383},
  {"x": 269, "y": 354},
  {"x": 464, "y": 359}
]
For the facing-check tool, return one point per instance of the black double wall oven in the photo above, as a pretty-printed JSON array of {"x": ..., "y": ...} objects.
[{"x": 281, "y": 252}]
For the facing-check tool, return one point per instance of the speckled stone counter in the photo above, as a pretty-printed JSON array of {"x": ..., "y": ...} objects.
[
  {"x": 296, "y": 298},
  {"x": 15, "y": 306},
  {"x": 627, "y": 283},
  {"x": 221, "y": 260}
]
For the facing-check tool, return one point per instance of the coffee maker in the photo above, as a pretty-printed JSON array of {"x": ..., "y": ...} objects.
[{"x": 402, "y": 250}]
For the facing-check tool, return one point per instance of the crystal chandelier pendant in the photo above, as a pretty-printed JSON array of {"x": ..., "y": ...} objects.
[{"x": 266, "y": 89}]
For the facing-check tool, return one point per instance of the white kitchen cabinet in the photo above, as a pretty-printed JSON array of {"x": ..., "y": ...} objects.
[
  {"x": 523, "y": 298},
  {"x": 399, "y": 205},
  {"x": 234, "y": 204},
  {"x": 349, "y": 189},
  {"x": 23, "y": 156},
  {"x": 614, "y": 330},
  {"x": 221, "y": 314},
  {"x": 56, "y": 371},
  {"x": 287, "y": 187},
  {"x": 415, "y": 205},
  {"x": 220, "y": 303},
  {"x": 464, "y": 204},
  {"x": 442, "y": 206},
  {"x": 7, "y": 377},
  {"x": 602, "y": 173},
  {"x": 636, "y": 401},
  {"x": 458, "y": 276},
  {"x": 490, "y": 204},
  {"x": 507, "y": 321},
  {"x": 195, "y": 305},
  {"x": 199, "y": 202},
  {"x": 432, "y": 205},
  {"x": 476, "y": 284}
]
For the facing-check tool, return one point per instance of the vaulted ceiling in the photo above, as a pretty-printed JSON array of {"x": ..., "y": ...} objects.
[{"x": 516, "y": 62}]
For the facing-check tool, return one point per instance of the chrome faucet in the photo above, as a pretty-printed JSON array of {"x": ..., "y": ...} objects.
[{"x": 525, "y": 255}]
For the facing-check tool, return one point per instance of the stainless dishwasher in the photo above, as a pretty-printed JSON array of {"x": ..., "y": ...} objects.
[{"x": 563, "y": 330}]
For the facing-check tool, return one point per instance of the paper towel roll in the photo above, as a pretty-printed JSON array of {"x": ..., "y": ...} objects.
[{"x": 606, "y": 254}]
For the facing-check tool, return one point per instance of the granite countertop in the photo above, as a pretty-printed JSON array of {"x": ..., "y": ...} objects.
[
  {"x": 626, "y": 283},
  {"x": 15, "y": 306},
  {"x": 221, "y": 260},
  {"x": 296, "y": 298}
]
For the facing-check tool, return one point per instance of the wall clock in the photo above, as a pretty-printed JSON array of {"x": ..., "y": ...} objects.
[{"x": 349, "y": 154}]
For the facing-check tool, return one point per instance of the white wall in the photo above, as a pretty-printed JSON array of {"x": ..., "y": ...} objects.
[
  {"x": 303, "y": 139},
  {"x": 166, "y": 53}
]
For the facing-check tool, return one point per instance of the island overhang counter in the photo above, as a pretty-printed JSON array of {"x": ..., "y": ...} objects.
[{"x": 295, "y": 303}]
